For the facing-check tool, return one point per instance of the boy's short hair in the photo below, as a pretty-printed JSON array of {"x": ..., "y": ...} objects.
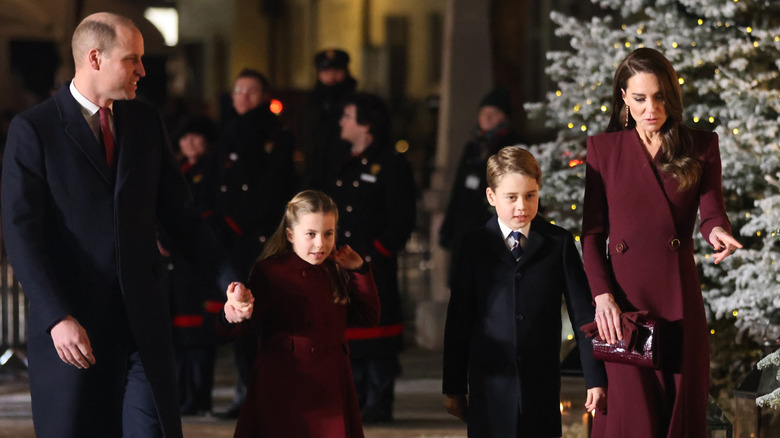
[{"x": 512, "y": 159}]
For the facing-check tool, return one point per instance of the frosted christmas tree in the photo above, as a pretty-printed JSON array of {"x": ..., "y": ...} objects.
[{"x": 727, "y": 54}]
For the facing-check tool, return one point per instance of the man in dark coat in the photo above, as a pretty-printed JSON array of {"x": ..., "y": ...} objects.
[
  {"x": 468, "y": 209},
  {"x": 82, "y": 196},
  {"x": 376, "y": 194},
  {"x": 257, "y": 179},
  {"x": 320, "y": 133}
]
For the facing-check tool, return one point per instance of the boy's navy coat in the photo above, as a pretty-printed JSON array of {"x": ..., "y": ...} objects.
[
  {"x": 503, "y": 332},
  {"x": 82, "y": 240}
]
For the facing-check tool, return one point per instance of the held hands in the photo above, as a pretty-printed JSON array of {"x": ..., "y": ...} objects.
[
  {"x": 596, "y": 400},
  {"x": 608, "y": 318},
  {"x": 240, "y": 303},
  {"x": 347, "y": 258},
  {"x": 456, "y": 405},
  {"x": 72, "y": 343},
  {"x": 723, "y": 243}
]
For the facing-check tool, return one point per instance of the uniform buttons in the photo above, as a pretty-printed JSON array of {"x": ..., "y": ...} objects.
[
  {"x": 223, "y": 189},
  {"x": 233, "y": 156},
  {"x": 355, "y": 184},
  {"x": 170, "y": 266},
  {"x": 349, "y": 208},
  {"x": 338, "y": 183},
  {"x": 364, "y": 161},
  {"x": 368, "y": 258},
  {"x": 244, "y": 187},
  {"x": 347, "y": 233},
  {"x": 262, "y": 239}
]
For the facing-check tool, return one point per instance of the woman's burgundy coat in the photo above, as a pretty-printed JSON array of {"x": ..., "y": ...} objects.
[
  {"x": 638, "y": 245},
  {"x": 302, "y": 384}
]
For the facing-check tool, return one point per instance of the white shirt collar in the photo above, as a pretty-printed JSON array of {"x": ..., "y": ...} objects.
[
  {"x": 88, "y": 108},
  {"x": 505, "y": 230}
]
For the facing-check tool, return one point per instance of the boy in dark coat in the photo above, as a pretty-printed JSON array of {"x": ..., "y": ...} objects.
[{"x": 503, "y": 332}]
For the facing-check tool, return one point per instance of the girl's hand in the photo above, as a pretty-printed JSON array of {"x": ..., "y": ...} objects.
[
  {"x": 608, "y": 318},
  {"x": 596, "y": 400},
  {"x": 723, "y": 243},
  {"x": 347, "y": 258}
]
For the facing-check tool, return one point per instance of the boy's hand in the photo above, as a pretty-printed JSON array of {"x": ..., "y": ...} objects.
[
  {"x": 240, "y": 303},
  {"x": 456, "y": 405},
  {"x": 347, "y": 258},
  {"x": 597, "y": 399}
]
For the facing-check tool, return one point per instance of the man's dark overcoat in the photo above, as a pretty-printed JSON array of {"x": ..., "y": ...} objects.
[
  {"x": 81, "y": 237},
  {"x": 502, "y": 337}
]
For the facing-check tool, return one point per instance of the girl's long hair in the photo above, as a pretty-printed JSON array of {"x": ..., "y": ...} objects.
[
  {"x": 308, "y": 201},
  {"x": 677, "y": 148}
]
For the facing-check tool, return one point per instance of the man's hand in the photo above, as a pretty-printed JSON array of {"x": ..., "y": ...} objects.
[
  {"x": 72, "y": 344},
  {"x": 456, "y": 405},
  {"x": 240, "y": 303}
]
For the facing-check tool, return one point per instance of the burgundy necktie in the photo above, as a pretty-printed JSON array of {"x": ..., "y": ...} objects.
[{"x": 108, "y": 138}]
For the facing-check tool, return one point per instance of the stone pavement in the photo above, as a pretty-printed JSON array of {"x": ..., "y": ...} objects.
[{"x": 419, "y": 411}]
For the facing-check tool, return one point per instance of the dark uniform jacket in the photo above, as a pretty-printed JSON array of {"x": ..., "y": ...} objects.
[
  {"x": 376, "y": 196},
  {"x": 257, "y": 180},
  {"x": 502, "y": 337},
  {"x": 320, "y": 133}
]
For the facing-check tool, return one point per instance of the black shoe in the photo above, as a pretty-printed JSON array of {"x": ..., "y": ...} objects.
[
  {"x": 375, "y": 417},
  {"x": 230, "y": 414}
]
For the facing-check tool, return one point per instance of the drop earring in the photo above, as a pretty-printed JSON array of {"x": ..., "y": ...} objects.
[{"x": 627, "y": 112}]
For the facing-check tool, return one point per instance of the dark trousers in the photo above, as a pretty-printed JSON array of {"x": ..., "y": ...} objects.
[
  {"x": 139, "y": 413},
  {"x": 375, "y": 385},
  {"x": 195, "y": 371}
]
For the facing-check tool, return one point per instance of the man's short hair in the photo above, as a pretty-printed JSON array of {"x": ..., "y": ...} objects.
[
  {"x": 259, "y": 77},
  {"x": 98, "y": 31},
  {"x": 512, "y": 159}
]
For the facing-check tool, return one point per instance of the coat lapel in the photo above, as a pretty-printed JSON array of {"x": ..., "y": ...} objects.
[
  {"x": 642, "y": 169},
  {"x": 496, "y": 244},
  {"x": 79, "y": 131}
]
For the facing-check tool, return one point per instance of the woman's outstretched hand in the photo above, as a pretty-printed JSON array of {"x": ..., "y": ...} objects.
[{"x": 724, "y": 243}]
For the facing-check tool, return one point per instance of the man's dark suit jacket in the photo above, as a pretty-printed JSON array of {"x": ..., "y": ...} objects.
[
  {"x": 82, "y": 240},
  {"x": 502, "y": 338}
]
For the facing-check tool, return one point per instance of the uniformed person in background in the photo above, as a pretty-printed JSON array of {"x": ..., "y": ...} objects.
[
  {"x": 195, "y": 301},
  {"x": 320, "y": 134},
  {"x": 374, "y": 189},
  {"x": 257, "y": 179},
  {"x": 468, "y": 208}
]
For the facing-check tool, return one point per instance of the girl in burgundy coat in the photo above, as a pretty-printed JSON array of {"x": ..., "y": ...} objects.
[
  {"x": 306, "y": 292},
  {"x": 646, "y": 178}
]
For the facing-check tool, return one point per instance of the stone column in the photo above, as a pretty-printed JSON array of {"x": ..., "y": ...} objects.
[{"x": 467, "y": 75}]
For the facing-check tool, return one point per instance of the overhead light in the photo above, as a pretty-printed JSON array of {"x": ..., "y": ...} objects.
[{"x": 166, "y": 20}]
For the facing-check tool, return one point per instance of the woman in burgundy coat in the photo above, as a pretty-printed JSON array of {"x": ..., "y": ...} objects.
[
  {"x": 306, "y": 292},
  {"x": 646, "y": 178}
]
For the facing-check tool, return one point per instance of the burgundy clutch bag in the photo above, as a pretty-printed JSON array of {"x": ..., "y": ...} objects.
[{"x": 640, "y": 344}]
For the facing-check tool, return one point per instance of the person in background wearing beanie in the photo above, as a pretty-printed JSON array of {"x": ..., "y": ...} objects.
[
  {"x": 194, "y": 301},
  {"x": 375, "y": 191},
  {"x": 468, "y": 208},
  {"x": 320, "y": 134},
  {"x": 257, "y": 178}
]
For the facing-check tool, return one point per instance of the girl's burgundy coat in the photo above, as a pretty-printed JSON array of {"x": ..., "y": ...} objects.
[
  {"x": 302, "y": 382},
  {"x": 637, "y": 245}
]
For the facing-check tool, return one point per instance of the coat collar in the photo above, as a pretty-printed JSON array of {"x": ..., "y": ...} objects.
[
  {"x": 535, "y": 242},
  {"x": 78, "y": 130}
]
